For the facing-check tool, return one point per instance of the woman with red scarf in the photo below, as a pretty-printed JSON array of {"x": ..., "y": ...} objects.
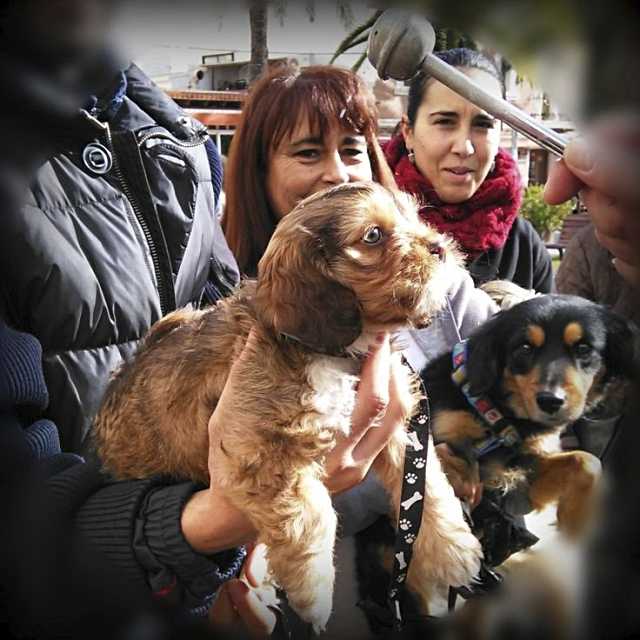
[{"x": 447, "y": 155}]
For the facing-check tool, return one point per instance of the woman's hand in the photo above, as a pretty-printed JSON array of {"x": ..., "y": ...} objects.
[
  {"x": 243, "y": 604},
  {"x": 604, "y": 167},
  {"x": 377, "y": 415},
  {"x": 210, "y": 523},
  {"x": 462, "y": 476}
]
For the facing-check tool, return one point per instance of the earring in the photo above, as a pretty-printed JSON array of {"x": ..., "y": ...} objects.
[{"x": 412, "y": 156}]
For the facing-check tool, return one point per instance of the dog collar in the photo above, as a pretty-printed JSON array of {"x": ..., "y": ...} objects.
[
  {"x": 500, "y": 432},
  {"x": 291, "y": 339}
]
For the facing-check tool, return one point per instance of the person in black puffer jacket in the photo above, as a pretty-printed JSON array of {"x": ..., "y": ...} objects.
[
  {"x": 82, "y": 555},
  {"x": 118, "y": 229}
]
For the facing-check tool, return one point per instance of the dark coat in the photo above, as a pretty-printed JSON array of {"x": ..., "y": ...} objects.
[
  {"x": 86, "y": 272},
  {"x": 93, "y": 260},
  {"x": 523, "y": 260},
  {"x": 586, "y": 270},
  {"x": 81, "y": 554}
]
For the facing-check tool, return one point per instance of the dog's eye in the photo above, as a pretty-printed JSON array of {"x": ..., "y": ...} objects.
[
  {"x": 372, "y": 235},
  {"x": 525, "y": 349},
  {"x": 583, "y": 350}
]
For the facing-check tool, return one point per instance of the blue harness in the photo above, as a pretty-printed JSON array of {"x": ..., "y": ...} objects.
[{"x": 499, "y": 431}]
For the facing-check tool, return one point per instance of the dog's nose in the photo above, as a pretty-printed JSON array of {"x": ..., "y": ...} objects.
[
  {"x": 549, "y": 402},
  {"x": 436, "y": 249}
]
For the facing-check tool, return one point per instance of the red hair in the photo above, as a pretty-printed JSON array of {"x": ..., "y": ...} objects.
[{"x": 327, "y": 96}]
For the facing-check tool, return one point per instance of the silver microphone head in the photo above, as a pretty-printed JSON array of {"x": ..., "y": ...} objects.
[
  {"x": 401, "y": 44},
  {"x": 413, "y": 33}
]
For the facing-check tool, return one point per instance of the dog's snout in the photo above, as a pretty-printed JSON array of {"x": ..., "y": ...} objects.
[{"x": 549, "y": 402}]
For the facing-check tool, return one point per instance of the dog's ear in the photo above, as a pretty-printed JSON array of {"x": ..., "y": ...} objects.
[
  {"x": 296, "y": 296},
  {"x": 623, "y": 342},
  {"x": 484, "y": 357}
]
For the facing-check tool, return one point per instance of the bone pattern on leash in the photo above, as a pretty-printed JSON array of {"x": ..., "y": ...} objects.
[
  {"x": 415, "y": 443},
  {"x": 401, "y": 562},
  {"x": 407, "y": 504}
]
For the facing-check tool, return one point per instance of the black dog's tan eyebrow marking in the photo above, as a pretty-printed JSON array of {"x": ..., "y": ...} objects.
[
  {"x": 536, "y": 336},
  {"x": 573, "y": 333}
]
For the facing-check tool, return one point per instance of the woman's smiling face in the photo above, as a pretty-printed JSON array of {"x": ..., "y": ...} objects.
[
  {"x": 307, "y": 161},
  {"x": 454, "y": 141}
]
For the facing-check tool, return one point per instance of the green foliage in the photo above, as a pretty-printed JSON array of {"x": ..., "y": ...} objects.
[
  {"x": 544, "y": 217},
  {"x": 450, "y": 38},
  {"x": 357, "y": 36},
  {"x": 446, "y": 38}
]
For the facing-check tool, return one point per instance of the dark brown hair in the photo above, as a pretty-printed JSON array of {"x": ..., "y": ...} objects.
[
  {"x": 325, "y": 95},
  {"x": 460, "y": 58}
]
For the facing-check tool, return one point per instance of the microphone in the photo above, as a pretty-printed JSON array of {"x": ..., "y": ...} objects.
[{"x": 401, "y": 44}]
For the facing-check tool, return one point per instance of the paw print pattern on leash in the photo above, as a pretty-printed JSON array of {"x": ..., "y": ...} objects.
[
  {"x": 409, "y": 538},
  {"x": 419, "y": 463},
  {"x": 411, "y": 478},
  {"x": 404, "y": 524}
]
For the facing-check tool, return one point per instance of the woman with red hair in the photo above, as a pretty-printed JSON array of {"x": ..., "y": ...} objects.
[{"x": 301, "y": 131}]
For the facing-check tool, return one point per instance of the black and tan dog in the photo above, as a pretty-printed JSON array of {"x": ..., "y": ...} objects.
[{"x": 520, "y": 377}]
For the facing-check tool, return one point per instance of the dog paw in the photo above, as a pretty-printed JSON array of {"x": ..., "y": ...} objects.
[
  {"x": 419, "y": 463},
  {"x": 317, "y": 614},
  {"x": 404, "y": 524},
  {"x": 411, "y": 478}
]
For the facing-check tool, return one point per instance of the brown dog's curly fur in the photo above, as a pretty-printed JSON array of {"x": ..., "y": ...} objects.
[{"x": 344, "y": 265}]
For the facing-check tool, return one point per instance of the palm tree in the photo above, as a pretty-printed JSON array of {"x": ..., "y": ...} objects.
[
  {"x": 446, "y": 38},
  {"x": 259, "y": 20},
  {"x": 259, "y": 51},
  {"x": 357, "y": 36}
]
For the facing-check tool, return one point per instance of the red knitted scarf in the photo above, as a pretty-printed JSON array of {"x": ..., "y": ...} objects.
[{"x": 483, "y": 222}]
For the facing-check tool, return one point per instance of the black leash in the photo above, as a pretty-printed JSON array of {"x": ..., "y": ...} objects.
[
  {"x": 411, "y": 504},
  {"x": 410, "y": 518}
]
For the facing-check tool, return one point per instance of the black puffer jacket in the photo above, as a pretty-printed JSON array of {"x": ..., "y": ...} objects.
[{"x": 93, "y": 260}]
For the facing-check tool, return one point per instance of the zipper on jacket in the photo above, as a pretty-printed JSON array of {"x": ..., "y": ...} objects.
[
  {"x": 226, "y": 285},
  {"x": 165, "y": 297},
  {"x": 167, "y": 136}
]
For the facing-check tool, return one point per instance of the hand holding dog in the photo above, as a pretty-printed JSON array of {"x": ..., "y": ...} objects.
[
  {"x": 239, "y": 607},
  {"x": 377, "y": 415},
  {"x": 210, "y": 523},
  {"x": 604, "y": 167}
]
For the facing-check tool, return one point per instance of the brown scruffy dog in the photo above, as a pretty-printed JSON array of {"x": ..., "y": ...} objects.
[{"x": 344, "y": 265}]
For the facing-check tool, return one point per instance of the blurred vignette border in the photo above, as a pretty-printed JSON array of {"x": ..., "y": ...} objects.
[
  {"x": 598, "y": 41},
  {"x": 584, "y": 54}
]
